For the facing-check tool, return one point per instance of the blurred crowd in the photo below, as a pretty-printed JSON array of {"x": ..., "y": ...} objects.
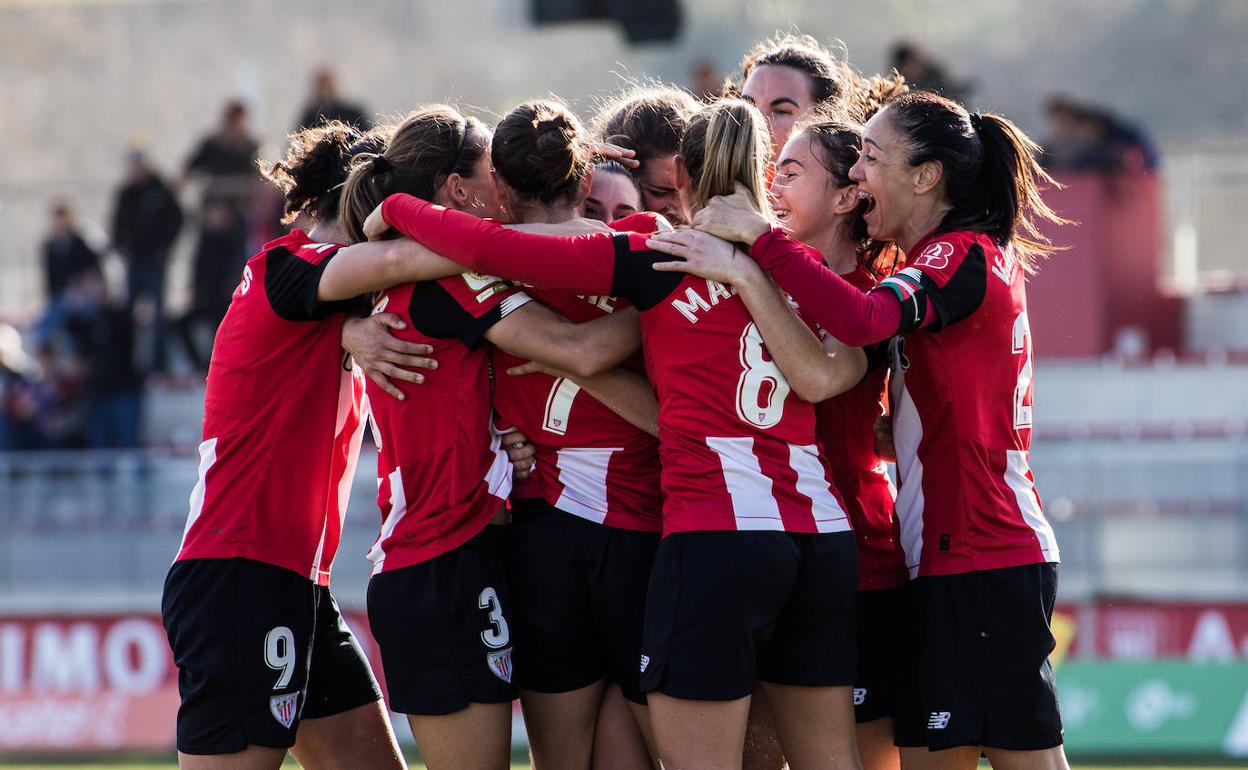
[{"x": 77, "y": 379}]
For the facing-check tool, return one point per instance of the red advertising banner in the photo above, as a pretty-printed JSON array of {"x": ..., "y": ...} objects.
[
  {"x": 1145, "y": 631},
  {"x": 94, "y": 682}
]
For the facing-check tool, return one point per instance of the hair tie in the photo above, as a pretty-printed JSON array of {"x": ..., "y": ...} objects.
[{"x": 381, "y": 165}]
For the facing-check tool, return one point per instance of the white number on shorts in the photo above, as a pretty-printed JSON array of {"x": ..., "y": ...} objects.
[
  {"x": 759, "y": 372},
  {"x": 1022, "y": 410},
  {"x": 559, "y": 406},
  {"x": 279, "y": 653},
  {"x": 498, "y": 635}
]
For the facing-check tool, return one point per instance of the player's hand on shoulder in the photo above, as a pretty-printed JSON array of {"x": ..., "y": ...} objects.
[
  {"x": 733, "y": 218},
  {"x": 703, "y": 255},
  {"x": 383, "y": 357},
  {"x": 375, "y": 225}
]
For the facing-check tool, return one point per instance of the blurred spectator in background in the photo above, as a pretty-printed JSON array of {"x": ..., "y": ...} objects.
[
  {"x": 146, "y": 222},
  {"x": 923, "y": 73},
  {"x": 1092, "y": 139},
  {"x": 325, "y": 104},
  {"x": 65, "y": 253},
  {"x": 226, "y": 163},
  {"x": 18, "y": 410},
  {"x": 706, "y": 82},
  {"x": 101, "y": 330}
]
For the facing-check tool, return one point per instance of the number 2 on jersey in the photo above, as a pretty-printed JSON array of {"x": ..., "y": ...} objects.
[
  {"x": 1021, "y": 346},
  {"x": 559, "y": 406},
  {"x": 761, "y": 388}
]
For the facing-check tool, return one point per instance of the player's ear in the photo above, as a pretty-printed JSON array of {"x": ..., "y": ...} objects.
[
  {"x": 453, "y": 190},
  {"x": 682, "y": 172},
  {"x": 927, "y": 176},
  {"x": 846, "y": 200}
]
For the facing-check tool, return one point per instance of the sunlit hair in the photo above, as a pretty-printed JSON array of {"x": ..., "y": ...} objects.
[
  {"x": 647, "y": 119},
  {"x": 988, "y": 169},
  {"x": 828, "y": 75},
  {"x": 432, "y": 143},
  {"x": 541, "y": 151},
  {"x": 727, "y": 143},
  {"x": 313, "y": 170}
]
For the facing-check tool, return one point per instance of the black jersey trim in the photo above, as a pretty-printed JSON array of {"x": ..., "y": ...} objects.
[
  {"x": 635, "y": 278},
  {"x": 963, "y": 293},
  {"x": 291, "y": 285},
  {"x": 436, "y": 313}
]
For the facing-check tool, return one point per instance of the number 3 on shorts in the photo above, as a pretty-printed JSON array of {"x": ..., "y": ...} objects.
[
  {"x": 498, "y": 635},
  {"x": 279, "y": 654}
]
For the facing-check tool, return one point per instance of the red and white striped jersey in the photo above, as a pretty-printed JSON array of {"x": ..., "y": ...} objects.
[
  {"x": 962, "y": 410},
  {"x": 441, "y": 471},
  {"x": 846, "y": 426},
  {"x": 282, "y": 420},
  {"x": 738, "y": 447},
  {"x": 591, "y": 462}
]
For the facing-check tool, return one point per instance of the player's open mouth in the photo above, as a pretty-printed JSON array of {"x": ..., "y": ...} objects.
[{"x": 863, "y": 195}]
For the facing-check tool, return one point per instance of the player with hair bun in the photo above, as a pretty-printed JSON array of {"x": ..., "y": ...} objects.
[
  {"x": 438, "y": 601},
  {"x": 755, "y": 576},
  {"x": 266, "y": 663}
]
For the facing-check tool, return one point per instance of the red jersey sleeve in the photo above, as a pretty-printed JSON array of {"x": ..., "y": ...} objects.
[
  {"x": 943, "y": 284},
  {"x": 826, "y": 298},
  {"x": 585, "y": 263},
  {"x": 463, "y": 307},
  {"x": 292, "y": 277}
]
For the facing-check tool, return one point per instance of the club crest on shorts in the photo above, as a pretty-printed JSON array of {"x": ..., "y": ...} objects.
[
  {"x": 500, "y": 663},
  {"x": 284, "y": 708}
]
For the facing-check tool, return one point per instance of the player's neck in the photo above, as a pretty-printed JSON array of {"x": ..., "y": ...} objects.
[
  {"x": 840, "y": 254},
  {"x": 328, "y": 232},
  {"x": 547, "y": 215},
  {"x": 925, "y": 219}
]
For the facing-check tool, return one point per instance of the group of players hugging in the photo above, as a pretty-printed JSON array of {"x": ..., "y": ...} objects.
[{"x": 633, "y": 387}]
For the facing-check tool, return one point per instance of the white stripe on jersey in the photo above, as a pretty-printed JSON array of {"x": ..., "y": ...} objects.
[
  {"x": 512, "y": 303},
  {"x": 1016, "y": 471},
  {"x": 583, "y": 474},
  {"x": 812, "y": 481},
  {"x": 499, "y": 476},
  {"x": 398, "y": 509},
  {"x": 753, "y": 502},
  {"x": 207, "y": 458},
  {"x": 559, "y": 406},
  {"x": 907, "y": 433},
  {"x": 352, "y": 382}
]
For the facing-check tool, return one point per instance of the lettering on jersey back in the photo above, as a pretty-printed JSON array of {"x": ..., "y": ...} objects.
[
  {"x": 601, "y": 301},
  {"x": 693, "y": 302},
  {"x": 1003, "y": 265}
]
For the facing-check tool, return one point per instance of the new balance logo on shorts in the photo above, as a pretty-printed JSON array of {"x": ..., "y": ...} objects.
[
  {"x": 860, "y": 696},
  {"x": 645, "y": 663},
  {"x": 939, "y": 720}
]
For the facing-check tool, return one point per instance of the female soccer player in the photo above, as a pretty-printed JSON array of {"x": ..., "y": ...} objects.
[
  {"x": 650, "y": 120},
  {"x": 265, "y": 661},
  {"x": 788, "y": 76},
  {"x": 438, "y": 600},
  {"x": 959, "y": 193},
  {"x": 583, "y": 538},
  {"x": 754, "y": 579}
]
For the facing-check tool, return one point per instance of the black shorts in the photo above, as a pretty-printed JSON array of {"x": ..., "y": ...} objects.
[
  {"x": 578, "y": 599},
  {"x": 443, "y": 628},
  {"x": 978, "y": 670},
  {"x": 881, "y": 620},
  {"x": 258, "y": 648},
  {"x": 728, "y": 608}
]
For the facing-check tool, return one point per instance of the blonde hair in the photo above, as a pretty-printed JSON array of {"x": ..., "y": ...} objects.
[{"x": 727, "y": 143}]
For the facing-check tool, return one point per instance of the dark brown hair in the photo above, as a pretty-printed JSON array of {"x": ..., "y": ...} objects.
[
  {"x": 989, "y": 170},
  {"x": 804, "y": 53},
  {"x": 836, "y": 142},
  {"x": 619, "y": 169},
  {"x": 727, "y": 143},
  {"x": 542, "y": 152},
  {"x": 649, "y": 120},
  {"x": 314, "y": 168},
  {"x": 432, "y": 143}
]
